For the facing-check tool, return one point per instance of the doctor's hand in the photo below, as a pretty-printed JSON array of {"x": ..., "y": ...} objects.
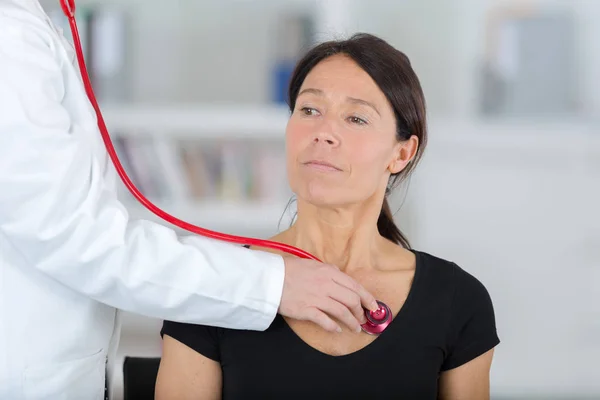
[{"x": 316, "y": 292}]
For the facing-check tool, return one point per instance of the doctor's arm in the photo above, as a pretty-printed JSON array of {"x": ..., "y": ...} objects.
[{"x": 57, "y": 211}]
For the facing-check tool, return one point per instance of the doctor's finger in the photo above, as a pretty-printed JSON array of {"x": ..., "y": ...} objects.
[
  {"x": 340, "y": 312},
  {"x": 349, "y": 299},
  {"x": 317, "y": 316},
  {"x": 367, "y": 300}
]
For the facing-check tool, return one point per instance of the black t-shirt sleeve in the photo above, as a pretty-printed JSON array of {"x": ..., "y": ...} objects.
[
  {"x": 203, "y": 339},
  {"x": 472, "y": 325}
]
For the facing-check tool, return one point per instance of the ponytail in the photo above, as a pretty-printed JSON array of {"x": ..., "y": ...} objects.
[{"x": 387, "y": 227}]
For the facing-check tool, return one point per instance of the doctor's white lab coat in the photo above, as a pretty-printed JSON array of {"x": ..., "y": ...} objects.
[{"x": 69, "y": 257}]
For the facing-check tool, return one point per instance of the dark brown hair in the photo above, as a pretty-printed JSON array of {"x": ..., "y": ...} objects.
[{"x": 392, "y": 72}]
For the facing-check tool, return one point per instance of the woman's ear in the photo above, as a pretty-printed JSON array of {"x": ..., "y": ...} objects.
[{"x": 403, "y": 154}]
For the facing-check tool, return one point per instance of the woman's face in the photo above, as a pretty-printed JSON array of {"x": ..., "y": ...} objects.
[{"x": 341, "y": 138}]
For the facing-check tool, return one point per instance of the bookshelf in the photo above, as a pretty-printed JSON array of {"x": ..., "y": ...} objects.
[{"x": 218, "y": 166}]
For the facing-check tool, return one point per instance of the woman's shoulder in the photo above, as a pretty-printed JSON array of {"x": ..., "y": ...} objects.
[
  {"x": 203, "y": 339},
  {"x": 191, "y": 331},
  {"x": 449, "y": 274},
  {"x": 464, "y": 304}
]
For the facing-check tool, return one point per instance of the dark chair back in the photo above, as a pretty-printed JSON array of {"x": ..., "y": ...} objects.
[{"x": 139, "y": 377}]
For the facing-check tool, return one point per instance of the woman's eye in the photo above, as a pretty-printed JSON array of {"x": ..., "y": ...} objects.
[
  {"x": 356, "y": 120},
  {"x": 308, "y": 111}
]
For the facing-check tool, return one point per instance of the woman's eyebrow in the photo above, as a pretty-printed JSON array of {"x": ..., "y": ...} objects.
[
  {"x": 363, "y": 102},
  {"x": 354, "y": 100}
]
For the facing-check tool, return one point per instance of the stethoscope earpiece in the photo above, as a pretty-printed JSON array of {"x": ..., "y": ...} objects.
[{"x": 377, "y": 320}]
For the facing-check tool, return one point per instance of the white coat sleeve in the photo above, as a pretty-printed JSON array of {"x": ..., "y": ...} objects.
[{"x": 60, "y": 215}]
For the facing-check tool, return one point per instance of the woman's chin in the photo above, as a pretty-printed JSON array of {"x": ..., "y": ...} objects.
[{"x": 322, "y": 197}]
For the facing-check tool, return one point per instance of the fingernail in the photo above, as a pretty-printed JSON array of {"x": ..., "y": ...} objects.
[
  {"x": 339, "y": 329},
  {"x": 358, "y": 329},
  {"x": 375, "y": 306}
]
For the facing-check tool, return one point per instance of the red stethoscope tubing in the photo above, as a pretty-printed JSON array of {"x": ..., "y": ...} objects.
[
  {"x": 68, "y": 7},
  {"x": 377, "y": 321}
]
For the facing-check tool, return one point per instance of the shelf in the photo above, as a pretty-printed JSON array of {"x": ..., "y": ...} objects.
[
  {"x": 198, "y": 121},
  {"x": 572, "y": 137},
  {"x": 229, "y": 217}
]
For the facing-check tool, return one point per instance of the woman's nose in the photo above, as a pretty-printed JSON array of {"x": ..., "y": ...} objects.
[{"x": 326, "y": 135}]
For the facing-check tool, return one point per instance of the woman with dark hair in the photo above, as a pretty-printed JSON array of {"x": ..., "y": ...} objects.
[{"x": 357, "y": 129}]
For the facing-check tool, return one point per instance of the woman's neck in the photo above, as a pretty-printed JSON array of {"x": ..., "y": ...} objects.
[{"x": 348, "y": 239}]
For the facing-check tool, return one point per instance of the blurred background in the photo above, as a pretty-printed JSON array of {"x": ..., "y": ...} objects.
[{"x": 509, "y": 188}]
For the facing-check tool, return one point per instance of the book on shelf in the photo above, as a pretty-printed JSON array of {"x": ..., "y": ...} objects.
[{"x": 195, "y": 171}]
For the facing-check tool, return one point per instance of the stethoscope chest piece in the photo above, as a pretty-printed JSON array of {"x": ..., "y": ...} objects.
[{"x": 377, "y": 320}]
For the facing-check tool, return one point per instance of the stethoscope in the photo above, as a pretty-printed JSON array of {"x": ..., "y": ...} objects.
[{"x": 377, "y": 320}]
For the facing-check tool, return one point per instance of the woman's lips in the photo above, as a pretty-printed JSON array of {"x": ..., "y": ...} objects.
[{"x": 322, "y": 166}]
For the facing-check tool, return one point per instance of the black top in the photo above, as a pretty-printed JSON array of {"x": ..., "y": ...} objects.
[{"x": 447, "y": 320}]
